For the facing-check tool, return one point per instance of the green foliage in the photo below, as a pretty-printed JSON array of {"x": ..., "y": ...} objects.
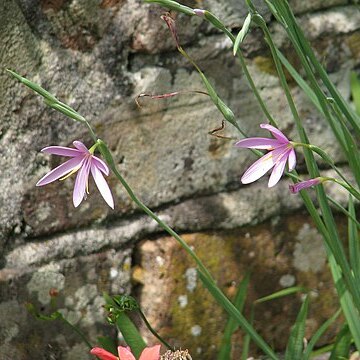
[
  {"x": 342, "y": 344},
  {"x": 345, "y": 124},
  {"x": 228, "y": 306},
  {"x": 232, "y": 325},
  {"x": 130, "y": 334},
  {"x": 116, "y": 307},
  {"x": 355, "y": 90},
  {"x": 56, "y": 315},
  {"x": 280, "y": 294},
  {"x": 318, "y": 334},
  {"x": 108, "y": 344},
  {"x": 49, "y": 99},
  {"x": 353, "y": 236},
  {"x": 295, "y": 346}
]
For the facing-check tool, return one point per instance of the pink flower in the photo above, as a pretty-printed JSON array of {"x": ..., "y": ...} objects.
[
  {"x": 83, "y": 161},
  {"x": 149, "y": 353},
  {"x": 281, "y": 151},
  {"x": 295, "y": 188}
]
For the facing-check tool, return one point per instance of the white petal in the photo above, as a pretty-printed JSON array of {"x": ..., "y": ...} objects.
[
  {"x": 102, "y": 185},
  {"x": 278, "y": 170},
  {"x": 81, "y": 182},
  {"x": 292, "y": 160},
  {"x": 264, "y": 164}
]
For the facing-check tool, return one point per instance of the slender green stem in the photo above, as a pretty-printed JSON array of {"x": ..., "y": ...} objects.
[
  {"x": 350, "y": 189},
  {"x": 154, "y": 332},
  {"x": 74, "y": 328},
  {"x": 344, "y": 211},
  {"x": 346, "y": 184},
  {"x": 91, "y": 131},
  {"x": 108, "y": 157},
  {"x": 202, "y": 270},
  {"x": 245, "y": 69}
]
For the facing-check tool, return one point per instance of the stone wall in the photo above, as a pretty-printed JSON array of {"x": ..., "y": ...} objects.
[{"x": 97, "y": 55}]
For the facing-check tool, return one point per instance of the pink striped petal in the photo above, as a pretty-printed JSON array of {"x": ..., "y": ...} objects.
[
  {"x": 278, "y": 170},
  {"x": 151, "y": 353},
  {"x": 62, "y": 151},
  {"x": 125, "y": 353},
  {"x": 292, "y": 160},
  {"x": 102, "y": 185},
  {"x": 60, "y": 171},
  {"x": 276, "y": 132},
  {"x": 263, "y": 165},
  {"x": 103, "y": 354},
  {"x": 100, "y": 165},
  {"x": 259, "y": 143},
  {"x": 80, "y": 146},
  {"x": 81, "y": 182}
]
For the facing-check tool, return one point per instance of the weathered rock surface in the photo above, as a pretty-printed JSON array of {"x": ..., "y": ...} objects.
[
  {"x": 77, "y": 284},
  {"x": 97, "y": 56},
  {"x": 281, "y": 253}
]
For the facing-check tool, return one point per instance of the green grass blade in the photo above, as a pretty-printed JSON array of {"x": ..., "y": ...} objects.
[
  {"x": 347, "y": 305},
  {"x": 228, "y": 306},
  {"x": 247, "y": 339},
  {"x": 232, "y": 325},
  {"x": 342, "y": 344},
  {"x": 298, "y": 38},
  {"x": 322, "y": 350},
  {"x": 280, "y": 294},
  {"x": 344, "y": 211},
  {"x": 354, "y": 247},
  {"x": 318, "y": 334},
  {"x": 350, "y": 146},
  {"x": 355, "y": 90},
  {"x": 294, "y": 349},
  {"x": 300, "y": 81}
]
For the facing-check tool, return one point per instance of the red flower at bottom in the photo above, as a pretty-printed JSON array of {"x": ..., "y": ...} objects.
[{"x": 149, "y": 353}]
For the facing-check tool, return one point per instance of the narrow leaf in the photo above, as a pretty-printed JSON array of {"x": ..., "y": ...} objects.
[
  {"x": 294, "y": 349},
  {"x": 300, "y": 81},
  {"x": 247, "y": 339},
  {"x": 342, "y": 345},
  {"x": 281, "y": 293},
  {"x": 227, "y": 305},
  {"x": 355, "y": 90},
  {"x": 131, "y": 334},
  {"x": 108, "y": 344},
  {"x": 318, "y": 334},
  {"x": 347, "y": 305},
  {"x": 231, "y": 326},
  {"x": 344, "y": 211},
  {"x": 354, "y": 248}
]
